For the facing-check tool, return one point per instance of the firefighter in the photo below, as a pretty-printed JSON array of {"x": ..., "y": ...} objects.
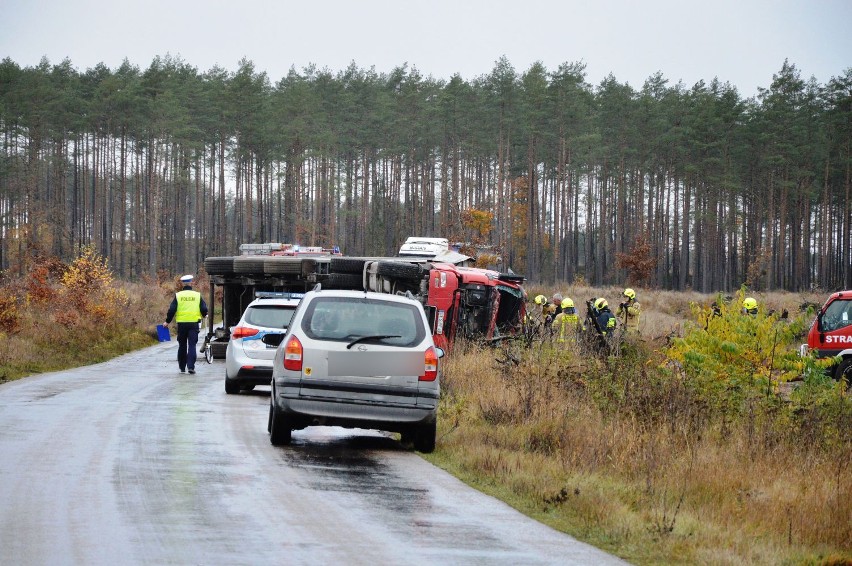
[
  {"x": 536, "y": 316},
  {"x": 629, "y": 311},
  {"x": 750, "y": 306},
  {"x": 566, "y": 324},
  {"x": 606, "y": 320}
]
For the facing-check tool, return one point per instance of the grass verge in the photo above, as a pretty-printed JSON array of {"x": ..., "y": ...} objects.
[{"x": 624, "y": 457}]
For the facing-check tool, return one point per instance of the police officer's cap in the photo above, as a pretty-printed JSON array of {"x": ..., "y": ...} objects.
[{"x": 186, "y": 279}]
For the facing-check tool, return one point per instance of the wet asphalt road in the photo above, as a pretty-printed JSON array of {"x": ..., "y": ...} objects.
[{"x": 130, "y": 462}]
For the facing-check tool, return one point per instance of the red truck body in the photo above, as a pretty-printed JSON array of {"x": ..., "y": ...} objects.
[
  {"x": 474, "y": 303},
  {"x": 831, "y": 332}
]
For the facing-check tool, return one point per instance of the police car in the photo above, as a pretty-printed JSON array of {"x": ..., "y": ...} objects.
[{"x": 251, "y": 349}]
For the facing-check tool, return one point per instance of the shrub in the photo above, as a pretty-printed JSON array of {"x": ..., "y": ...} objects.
[
  {"x": 87, "y": 284},
  {"x": 10, "y": 318}
]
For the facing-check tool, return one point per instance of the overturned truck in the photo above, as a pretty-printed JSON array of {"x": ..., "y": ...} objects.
[{"x": 459, "y": 301}]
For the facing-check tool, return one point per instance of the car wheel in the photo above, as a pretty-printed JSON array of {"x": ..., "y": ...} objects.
[
  {"x": 279, "y": 427},
  {"x": 424, "y": 438},
  {"x": 231, "y": 388},
  {"x": 844, "y": 370}
]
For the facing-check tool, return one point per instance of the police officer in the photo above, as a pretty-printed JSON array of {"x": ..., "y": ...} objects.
[{"x": 187, "y": 309}]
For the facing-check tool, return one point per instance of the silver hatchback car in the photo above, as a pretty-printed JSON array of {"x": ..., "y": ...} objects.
[
  {"x": 357, "y": 359},
  {"x": 251, "y": 349}
]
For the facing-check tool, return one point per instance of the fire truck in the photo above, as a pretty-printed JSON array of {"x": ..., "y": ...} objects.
[
  {"x": 459, "y": 300},
  {"x": 831, "y": 334}
]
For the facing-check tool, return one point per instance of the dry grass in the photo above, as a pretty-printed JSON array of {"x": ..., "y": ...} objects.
[
  {"x": 610, "y": 452},
  {"x": 51, "y": 334}
]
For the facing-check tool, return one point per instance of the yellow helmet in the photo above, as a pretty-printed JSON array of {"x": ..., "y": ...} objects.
[
  {"x": 630, "y": 293},
  {"x": 600, "y": 303},
  {"x": 567, "y": 304},
  {"x": 749, "y": 304},
  {"x": 540, "y": 300}
]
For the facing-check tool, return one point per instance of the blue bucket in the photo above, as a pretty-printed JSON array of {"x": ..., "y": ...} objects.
[{"x": 163, "y": 333}]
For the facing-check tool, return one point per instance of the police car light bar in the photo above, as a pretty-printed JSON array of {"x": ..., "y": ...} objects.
[{"x": 277, "y": 295}]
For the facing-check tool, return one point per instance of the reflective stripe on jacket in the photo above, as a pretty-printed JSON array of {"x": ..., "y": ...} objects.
[
  {"x": 188, "y": 306},
  {"x": 567, "y": 323}
]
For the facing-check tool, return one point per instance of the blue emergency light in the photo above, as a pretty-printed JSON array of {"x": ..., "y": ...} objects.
[{"x": 277, "y": 295}]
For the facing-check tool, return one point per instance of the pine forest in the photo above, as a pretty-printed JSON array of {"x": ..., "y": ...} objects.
[{"x": 670, "y": 186}]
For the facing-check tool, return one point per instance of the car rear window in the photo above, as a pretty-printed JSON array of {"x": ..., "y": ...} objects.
[
  {"x": 270, "y": 316},
  {"x": 348, "y": 318}
]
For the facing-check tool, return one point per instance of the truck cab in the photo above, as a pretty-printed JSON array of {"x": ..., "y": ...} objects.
[
  {"x": 831, "y": 333},
  {"x": 471, "y": 302}
]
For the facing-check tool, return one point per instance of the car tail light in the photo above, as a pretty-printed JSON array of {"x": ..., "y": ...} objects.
[
  {"x": 431, "y": 365},
  {"x": 293, "y": 354},
  {"x": 242, "y": 332}
]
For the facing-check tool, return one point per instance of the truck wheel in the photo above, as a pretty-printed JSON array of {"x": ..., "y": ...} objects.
[
  {"x": 218, "y": 349},
  {"x": 346, "y": 265},
  {"x": 279, "y": 265},
  {"x": 344, "y": 281},
  {"x": 398, "y": 270},
  {"x": 219, "y": 265},
  {"x": 280, "y": 432},
  {"x": 249, "y": 264},
  {"x": 424, "y": 438},
  {"x": 844, "y": 370}
]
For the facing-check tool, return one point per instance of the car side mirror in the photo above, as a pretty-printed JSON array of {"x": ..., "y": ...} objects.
[{"x": 439, "y": 352}]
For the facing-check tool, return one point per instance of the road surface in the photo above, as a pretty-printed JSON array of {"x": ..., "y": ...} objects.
[{"x": 131, "y": 462}]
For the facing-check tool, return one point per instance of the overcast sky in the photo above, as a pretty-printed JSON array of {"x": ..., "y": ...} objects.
[{"x": 743, "y": 42}]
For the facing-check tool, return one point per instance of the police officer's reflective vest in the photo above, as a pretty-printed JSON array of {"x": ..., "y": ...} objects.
[{"x": 188, "y": 306}]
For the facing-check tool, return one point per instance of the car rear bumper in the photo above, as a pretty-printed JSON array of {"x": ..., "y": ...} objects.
[
  {"x": 253, "y": 376},
  {"x": 306, "y": 411}
]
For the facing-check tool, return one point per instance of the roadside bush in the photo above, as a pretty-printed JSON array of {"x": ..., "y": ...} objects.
[
  {"x": 78, "y": 312},
  {"x": 87, "y": 284},
  {"x": 10, "y": 318}
]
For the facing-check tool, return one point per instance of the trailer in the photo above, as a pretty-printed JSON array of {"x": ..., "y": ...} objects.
[{"x": 242, "y": 277}]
